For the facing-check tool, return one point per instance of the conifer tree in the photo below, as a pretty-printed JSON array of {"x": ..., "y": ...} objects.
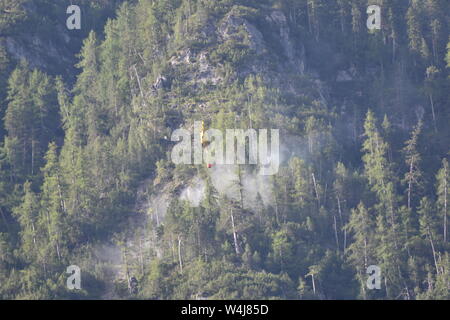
[
  {"x": 412, "y": 159},
  {"x": 31, "y": 119},
  {"x": 53, "y": 207},
  {"x": 443, "y": 193},
  {"x": 27, "y": 214},
  {"x": 428, "y": 227},
  {"x": 361, "y": 250},
  {"x": 375, "y": 162}
]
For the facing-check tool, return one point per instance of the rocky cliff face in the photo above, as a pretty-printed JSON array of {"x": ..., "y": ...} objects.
[
  {"x": 45, "y": 54},
  {"x": 276, "y": 57},
  {"x": 199, "y": 69},
  {"x": 166, "y": 64},
  {"x": 276, "y": 54},
  {"x": 42, "y": 38}
]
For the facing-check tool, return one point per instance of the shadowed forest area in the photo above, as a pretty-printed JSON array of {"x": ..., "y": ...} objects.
[{"x": 86, "y": 176}]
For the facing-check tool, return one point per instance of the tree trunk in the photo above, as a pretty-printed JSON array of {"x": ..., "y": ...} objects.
[
  {"x": 342, "y": 223},
  {"x": 179, "y": 255},
  {"x": 335, "y": 232},
  {"x": 445, "y": 203},
  {"x": 432, "y": 112},
  {"x": 34, "y": 234},
  {"x": 315, "y": 188},
  {"x": 141, "y": 256},
  {"x": 410, "y": 182},
  {"x": 236, "y": 244},
  {"x": 434, "y": 251}
]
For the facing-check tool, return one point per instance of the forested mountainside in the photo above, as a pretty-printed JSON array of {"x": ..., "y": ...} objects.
[{"x": 85, "y": 149}]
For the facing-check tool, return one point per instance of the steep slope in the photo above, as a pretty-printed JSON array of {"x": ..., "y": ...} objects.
[{"x": 362, "y": 118}]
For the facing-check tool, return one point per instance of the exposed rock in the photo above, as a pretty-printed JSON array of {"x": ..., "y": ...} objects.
[
  {"x": 346, "y": 75},
  {"x": 203, "y": 71},
  {"x": 48, "y": 55},
  {"x": 343, "y": 76},
  {"x": 207, "y": 73},
  {"x": 230, "y": 27},
  {"x": 279, "y": 21},
  {"x": 160, "y": 83},
  {"x": 184, "y": 57}
]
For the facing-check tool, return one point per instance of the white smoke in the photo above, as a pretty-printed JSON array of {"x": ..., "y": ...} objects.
[
  {"x": 225, "y": 179},
  {"x": 255, "y": 184},
  {"x": 157, "y": 206},
  {"x": 108, "y": 253},
  {"x": 194, "y": 193},
  {"x": 257, "y": 189}
]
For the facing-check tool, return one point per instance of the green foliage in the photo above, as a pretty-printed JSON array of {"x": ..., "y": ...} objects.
[
  {"x": 31, "y": 119},
  {"x": 85, "y": 166},
  {"x": 12, "y": 12}
]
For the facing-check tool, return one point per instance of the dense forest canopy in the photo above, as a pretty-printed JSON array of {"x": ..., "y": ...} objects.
[{"x": 86, "y": 176}]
